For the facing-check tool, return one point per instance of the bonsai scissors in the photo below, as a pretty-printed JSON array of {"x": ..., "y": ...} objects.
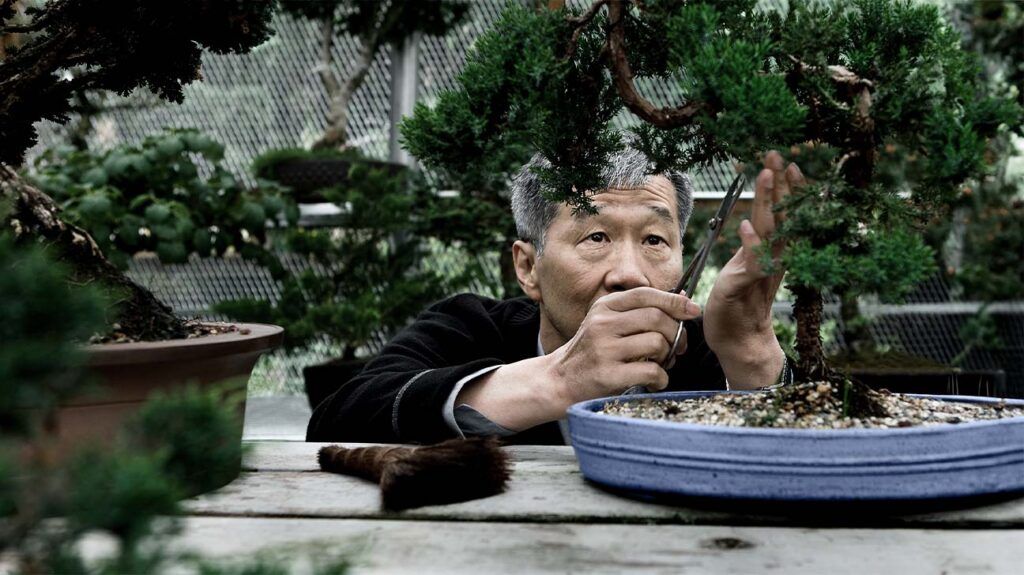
[{"x": 691, "y": 277}]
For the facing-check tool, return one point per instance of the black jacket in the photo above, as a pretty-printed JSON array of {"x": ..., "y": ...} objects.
[{"x": 399, "y": 397}]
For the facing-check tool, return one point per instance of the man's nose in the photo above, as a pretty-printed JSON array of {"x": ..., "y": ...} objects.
[{"x": 626, "y": 271}]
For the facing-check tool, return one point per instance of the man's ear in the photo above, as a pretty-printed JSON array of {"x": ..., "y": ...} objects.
[{"x": 524, "y": 256}]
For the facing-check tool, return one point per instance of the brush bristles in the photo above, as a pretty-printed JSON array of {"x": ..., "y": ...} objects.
[{"x": 448, "y": 472}]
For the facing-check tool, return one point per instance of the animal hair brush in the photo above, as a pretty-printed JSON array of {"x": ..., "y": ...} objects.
[{"x": 448, "y": 472}]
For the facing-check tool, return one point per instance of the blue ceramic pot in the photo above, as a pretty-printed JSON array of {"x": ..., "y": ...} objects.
[{"x": 913, "y": 463}]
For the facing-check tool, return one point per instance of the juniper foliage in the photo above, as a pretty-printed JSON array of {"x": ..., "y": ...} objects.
[
  {"x": 875, "y": 99},
  {"x": 115, "y": 45}
]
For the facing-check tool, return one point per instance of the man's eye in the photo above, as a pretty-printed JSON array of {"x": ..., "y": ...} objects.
[
  {"x": 655, "y": 240},
  {"x": 597, "y": 237}
]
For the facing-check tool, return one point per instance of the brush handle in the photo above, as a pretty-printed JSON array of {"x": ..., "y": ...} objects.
[{"x": 365, "y": 462}]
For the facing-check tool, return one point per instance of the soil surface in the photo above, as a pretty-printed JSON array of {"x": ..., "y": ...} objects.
[
  {"x": 193, "y": 329},
  {"x": 809, "y": 406}
]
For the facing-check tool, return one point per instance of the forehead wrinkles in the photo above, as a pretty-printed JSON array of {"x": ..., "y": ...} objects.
[{"x": 660, "y": 213}]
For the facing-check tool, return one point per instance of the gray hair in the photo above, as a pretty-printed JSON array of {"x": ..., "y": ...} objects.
[{"x": 630, "y": 168}]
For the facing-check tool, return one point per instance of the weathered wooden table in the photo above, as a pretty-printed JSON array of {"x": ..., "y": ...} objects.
[{"x": 551, "y": 519}]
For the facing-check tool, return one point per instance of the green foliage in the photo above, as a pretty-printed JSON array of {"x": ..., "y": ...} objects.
[
  {"x": 266, "y": 165},
  {"x": 40, "y": 352},
  {"x": 119, "y": 492},
  {"x": 980, "y": 331},
  {"x": 372, "y": 278},
  {"x": 115, "y": 45},
  {"x": 196, "y": 433},
  {"x": 154, "y": 197},
  {"x": 995, "y": 28},
  {"x": 992, "y": 267}
]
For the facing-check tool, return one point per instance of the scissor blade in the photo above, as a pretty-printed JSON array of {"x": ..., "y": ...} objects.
[{"x": 731, "y": 196}]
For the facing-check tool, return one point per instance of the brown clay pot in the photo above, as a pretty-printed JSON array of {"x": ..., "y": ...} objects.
[{"x": 127, "y": 373}]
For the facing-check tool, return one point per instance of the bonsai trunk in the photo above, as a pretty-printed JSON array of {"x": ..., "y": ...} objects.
[
  {"x": 335, "y": 136},
  {"x": 33, "y": 214},
  {"x": 807, "y": 311}
]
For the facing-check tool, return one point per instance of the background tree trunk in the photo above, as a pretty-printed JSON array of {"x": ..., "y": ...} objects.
[{"x": 335, "y": 136}]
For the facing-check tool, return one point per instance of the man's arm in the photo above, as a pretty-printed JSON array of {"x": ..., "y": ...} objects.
[{"x": 400, "y": 395}]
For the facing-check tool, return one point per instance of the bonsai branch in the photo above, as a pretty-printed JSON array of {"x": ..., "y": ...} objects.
[
  {"x": 622, "y": 75},
  {"x": 841, "y": 75},
  {"x": 581, "y": 22}
]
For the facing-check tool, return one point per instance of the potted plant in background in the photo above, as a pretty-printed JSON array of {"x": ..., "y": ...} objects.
[
  {"x": 123, "y": 49},
  {"x": 369, "y": 283},
  {"x": 367, "y": 276},
  {"x": 375, "y": 25},
  {"x": 888, "y": 117}
]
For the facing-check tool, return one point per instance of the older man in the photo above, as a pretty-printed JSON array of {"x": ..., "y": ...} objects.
[{"x": 597, "y": 319}]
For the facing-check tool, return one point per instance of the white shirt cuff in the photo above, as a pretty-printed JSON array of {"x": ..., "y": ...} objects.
[{"x": 449, "y": 404}]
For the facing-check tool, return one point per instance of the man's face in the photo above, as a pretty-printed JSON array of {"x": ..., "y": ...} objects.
[{"x": 632, "y": 241}]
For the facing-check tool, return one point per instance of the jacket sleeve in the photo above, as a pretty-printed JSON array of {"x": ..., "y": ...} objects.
[
  {"x": 698, "y": 369},
  {"x": 400, "y": 396}
]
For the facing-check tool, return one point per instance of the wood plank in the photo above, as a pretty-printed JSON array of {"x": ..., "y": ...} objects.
[
  {"x": 301, "y": 456},
  {"x": 551, "y": 492},
  {"x": 445, "y": 547}
]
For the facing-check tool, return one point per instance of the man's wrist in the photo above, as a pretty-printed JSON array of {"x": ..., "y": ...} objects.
[
  {"x": 518, "y": 395},
  {"x": 553, "y": 388},
  {"x": 753, "y": 365}
]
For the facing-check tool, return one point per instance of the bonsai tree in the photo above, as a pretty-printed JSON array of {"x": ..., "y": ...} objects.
[
  {"x": 152, "y": 197},
  {"x": 371, "y": 280},
  {"x": 66, "y": 46},
  {"x": 875, "y": 99},
  {"x": 375, "y": 25}
]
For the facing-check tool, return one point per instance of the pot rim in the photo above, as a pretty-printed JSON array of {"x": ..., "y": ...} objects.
[
  {"x": 587, "y": 410},
  {"x": 260, "y": 338}
]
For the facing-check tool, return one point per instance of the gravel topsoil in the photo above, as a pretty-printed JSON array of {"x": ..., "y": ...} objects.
[
  {"x": 809, "y": 406},
  {"x": 195, "y": 329}
]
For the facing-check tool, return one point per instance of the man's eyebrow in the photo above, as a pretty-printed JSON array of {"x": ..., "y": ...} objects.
[{"x": 663, "y": 213}]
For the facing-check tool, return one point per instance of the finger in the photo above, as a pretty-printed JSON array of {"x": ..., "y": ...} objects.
[
  {"x": 794, "y": 179},
  {"x": 640, "y": 347},
  {"x": 774, "y": 162},
  {"x": 646, "y": 319},
  {"x": 761, "y": 211},
  {"x": 751, "y": 244},
  {"x": 677, "y": 306},
  {"x": 795, "y": 176},
  {"x": 645, "y": 373}
]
